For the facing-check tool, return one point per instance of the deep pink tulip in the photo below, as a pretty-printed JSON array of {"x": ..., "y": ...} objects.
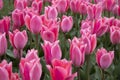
[
  {"x": 17, "y": 18},
  {"x": 51, "y": 12},
  {"x": 66, "y": 23},
  {"x": 51, "y": 51},
  {"x": 5, "y": 25},
  {"x": 1, "y": 4},
  {"x": 99, "y": 27},
  {"x": 83, "y": 7},
  {"x": 37, "y": 6},
  {"x": 3, "y": 44},
  {"x": 18, "y": 39},
  {"x": 50, "y": 31},
  {"x": 30, "y": 67},
  {"x": 94, "y": 11},
  {"x": 103, "y": 58},
  {"x": 109, "y": 4},
  {"x": 6, "y": 71},
  {"x": 61, "y": 5},
  {"x": 20, "y": 4},
  {"x": 91, "y": 41},
  {"x": 115, "y": 34},
  {"x": 77, "y": 52},
  {"x": 33, "y": 23},
  {"x": 61, "y": 70},
  {"x": 74, "y": 5}
]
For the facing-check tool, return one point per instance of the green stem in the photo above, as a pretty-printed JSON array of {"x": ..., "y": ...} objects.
[
  {"x": 78, "y": 73},
  {"x": 37, "y": 44},
  {"x": 65, "y": 46},
  {"x": 88, "y": 67},
  {"x": 102, "y": 74}
]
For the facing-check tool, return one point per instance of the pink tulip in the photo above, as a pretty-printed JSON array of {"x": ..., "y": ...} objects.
[
  {"x": 6, "y": 71},
  {"x": 3, "y": 44},
  {"x": 94, "y": 11},
  {"x": 91, "y": 41},
  {"x": 115, "y": 34},
  {"x": 109, "y": 4},
  {"x": 18, "y": 39},
  {"x": 51, "y": 12},
  {"x": 5, "y": 25},
  {"x": 74, "y": 5},
  {"x": 51, "y": 51},
  {"x": 30, "y": 67},
  {"x": 33, "y": 23},
  {"x": 50, "y": 30},
  {"x": 77, "y": 51},
  {"x": 17, "y": 18},
  {"x": 116, "y": 10},
  {"x": 66, "y": 23},
  {"x": 1, "y": 4},
  {"x": 17, "y": 53},
  {"x": 103, "y": 58},
  {"x": 99, "y": 27},
  {"x": 61, "y": 5},
  {"x": 97, "y": 1},
  {"x": 61, "y": 70},
  {"x": 37, "y": 6},
  {"x": 20, "y": 4}
]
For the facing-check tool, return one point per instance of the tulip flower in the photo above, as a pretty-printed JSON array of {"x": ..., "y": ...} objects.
[
  {"x": 94, "y": 11},
  {"x": 30, "y": 65},
  {"x": 66, "y": 23},
  {"x": 51, "y": 51},
  {"x": 3, "y": 44},
  {"x": 5, "y": 25},
  {"x": 108, "y": 4},
  {"x": 51, "y": 12},
  {"x": 6, "y": 71},
  {"x": 20, "y": 4},
  {"x": 33, "y": 23},
  {"x": 61, "y": 70},
  {"x": 103, "y": 58},
  {"x": 77, "y": 51},
  {"x": 115, "y": 34},
  {"x": 50, "y": 30},
  {"x": 91, "y": 41},
  {"x": 17, "y": 18},
  {"x": 58, "y": 3}
]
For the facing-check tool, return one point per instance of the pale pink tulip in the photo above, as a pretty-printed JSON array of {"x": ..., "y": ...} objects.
[
  {"x": 77, "y": 52},
  {"x": 61, "y": 70},
  {"x": 66, "y": 23},
  {"x": 30, "y": 67},
  {"x": 3, "y": 44},
  {"x": 103, "y": 58},
  {"x": 20, "y": 4},
  {"x": 1, "y": 4},
  {"x": 51, "y": 51},
  {"x": 115, "y": 34},
  {"x": 83, "y": 7}
]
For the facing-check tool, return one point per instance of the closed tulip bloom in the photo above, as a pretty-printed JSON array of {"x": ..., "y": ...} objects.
[
  {"x": 20, "y": 4},
  {"x": 51, "y": 51},
  {"x": 94, "y": 11},
  {"x": 30, "y": 65},
  {"x": 115, "y": 34},
  {"x": 50, "y": 31},
  {"x": 18, "y": 39},
  {"x": 91, "y": 41},
  {"x": 37, "y": 6},
  {"x": 103, "y": 58},
  {"x": 61, "y": 70},
  {"x": 3, "y": 44},
  {"x": 5, "y": 25},
  {"x": 77, "y": 52},
  {"x": 51, "y": 12},
  {"x": 6, "y": 71},
  {"x": 109, "y": 4},
  {"x": 66, "y": 23},
  {"x": 83, "y": 7},
  {"x": 33, "y": 23},
  {"x": 58, "y": 3},
  {"x": 17, "y": 18},
  {"x": 1, "y": 4}
]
